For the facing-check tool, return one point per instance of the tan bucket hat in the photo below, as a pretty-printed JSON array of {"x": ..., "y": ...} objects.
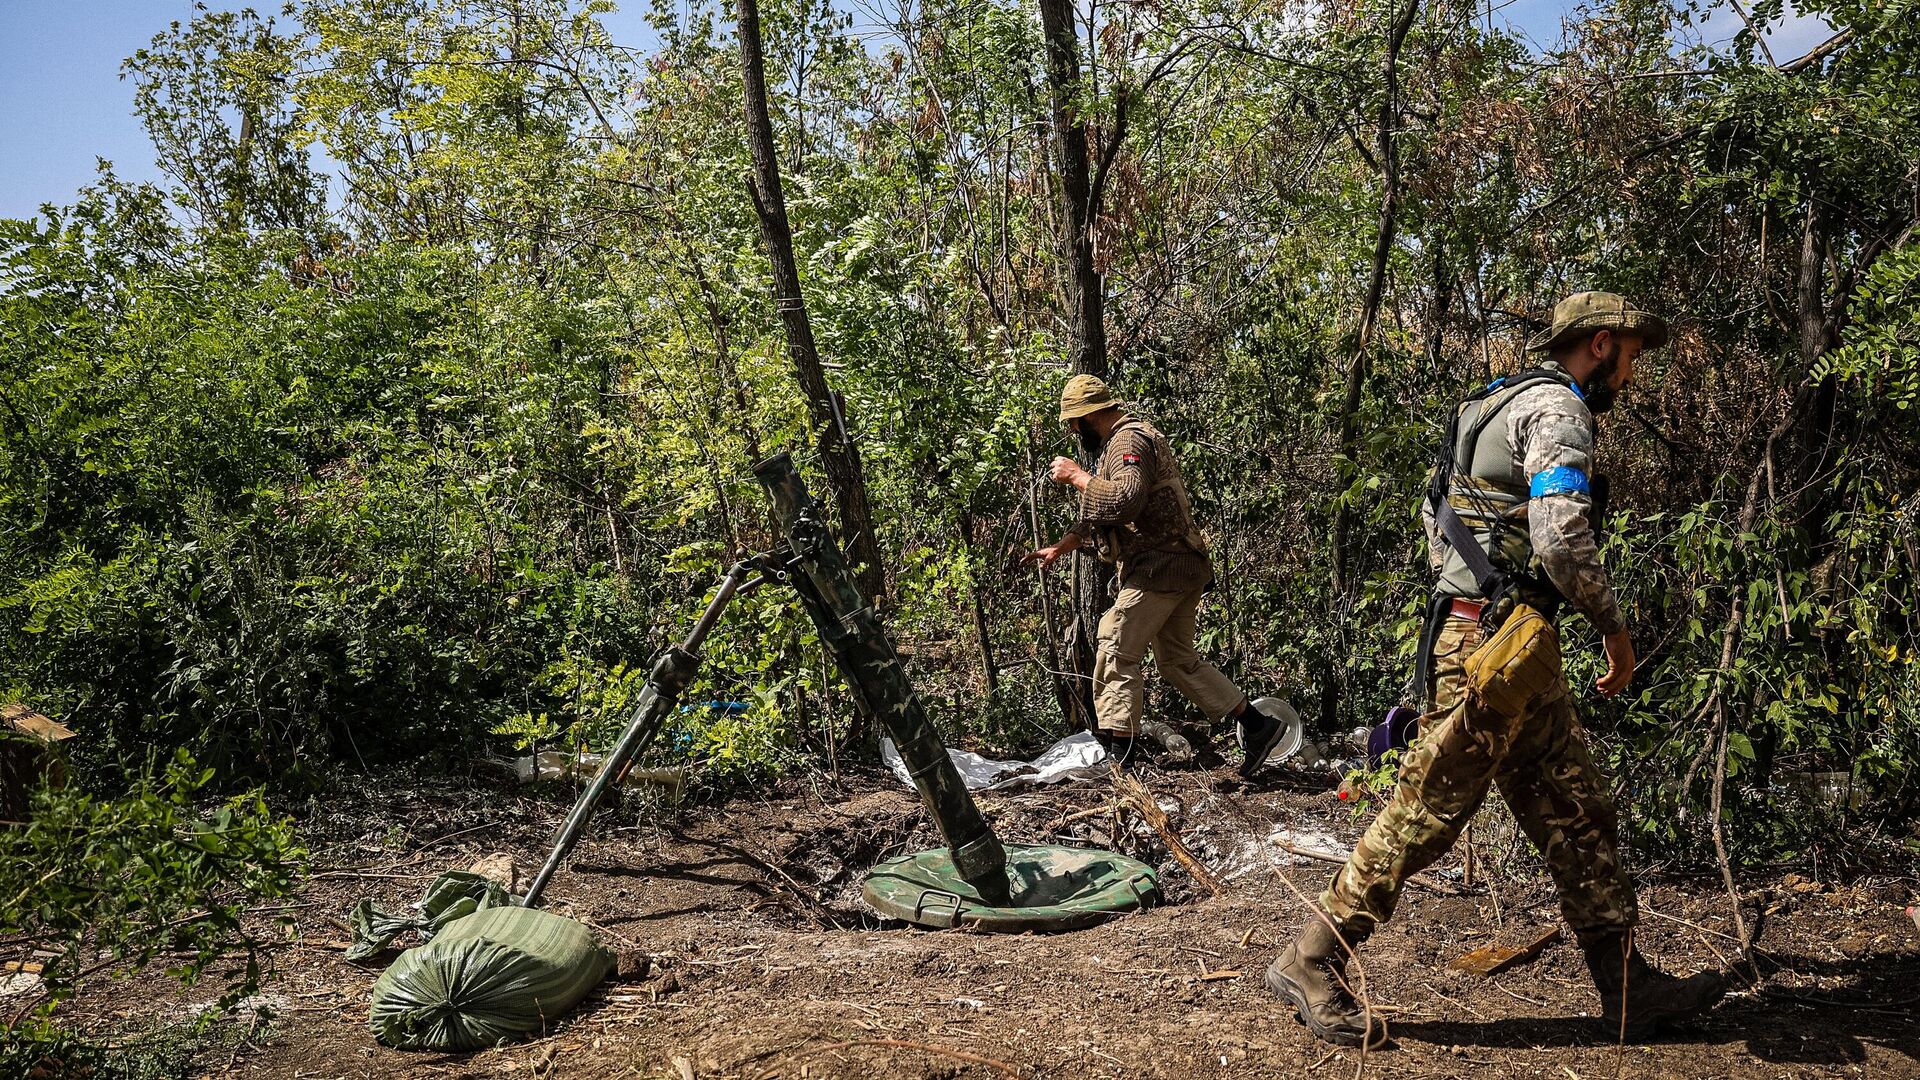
[
  {"x": 1586, "y": 312},
  {"x": 1084, "y": 395}
]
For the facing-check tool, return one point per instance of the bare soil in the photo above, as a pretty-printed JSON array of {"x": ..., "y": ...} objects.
[{"x": 757, "y": 959}]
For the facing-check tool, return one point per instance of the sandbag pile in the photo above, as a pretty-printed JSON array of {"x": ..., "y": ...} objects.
[{"x": 493, "y": 976}]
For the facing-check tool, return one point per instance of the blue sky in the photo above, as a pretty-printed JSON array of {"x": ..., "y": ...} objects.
[{"x": 62, "y": 103}]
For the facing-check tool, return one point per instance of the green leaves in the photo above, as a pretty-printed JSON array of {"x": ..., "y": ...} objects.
[
  {"x": 446, "y": 455},
  {"x": 144, "y": 875}
]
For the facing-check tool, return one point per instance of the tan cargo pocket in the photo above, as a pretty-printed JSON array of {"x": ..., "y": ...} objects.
[{"x": 1519, "y": 666}]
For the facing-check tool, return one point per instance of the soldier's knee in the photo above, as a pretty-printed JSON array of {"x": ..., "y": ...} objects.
[{"x": 1187, "y": 669}]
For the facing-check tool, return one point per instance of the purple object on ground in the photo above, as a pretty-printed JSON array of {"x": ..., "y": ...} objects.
[{"x": 1394, "y": 733}]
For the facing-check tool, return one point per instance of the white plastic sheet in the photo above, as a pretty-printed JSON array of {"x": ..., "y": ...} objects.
[{"x": 1077, "y": 757}]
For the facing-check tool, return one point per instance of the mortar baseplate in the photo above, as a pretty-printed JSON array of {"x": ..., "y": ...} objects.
[{"x": 1053, "y": 888}]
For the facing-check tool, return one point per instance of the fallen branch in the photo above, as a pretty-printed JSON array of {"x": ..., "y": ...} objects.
[
  {"x": 1494, "y": 959},
  {"x": 1083, "y": 815},
  {"x": 1142, "y": 800}
]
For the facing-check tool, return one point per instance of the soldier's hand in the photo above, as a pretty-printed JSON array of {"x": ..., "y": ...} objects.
[
  {"x": 1620, "y": 661},
  {"x": 1045, "y": 556},
  {"x": 1067, "y": 471}
]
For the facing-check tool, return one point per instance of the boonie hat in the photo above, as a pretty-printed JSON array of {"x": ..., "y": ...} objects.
[
  {"x": 1587, "y": 312},
  {"x": 1084, "y": 395}
]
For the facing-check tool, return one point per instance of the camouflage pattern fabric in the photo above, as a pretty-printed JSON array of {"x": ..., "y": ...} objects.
[
  {"x": 1541, "y": 764},
  {"x": 1165, "y": 622},
  {"x": 1549, "y": 427},
  {"x": 1136, "y": 511},
  {"x": 1541, "y": 427},
  {"x": 1588, "y": 312}
]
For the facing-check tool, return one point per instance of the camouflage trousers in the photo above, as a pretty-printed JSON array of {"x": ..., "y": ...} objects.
[
  {"x": 1165, "y": 622},
  {"x": 1548, "y": 779}
]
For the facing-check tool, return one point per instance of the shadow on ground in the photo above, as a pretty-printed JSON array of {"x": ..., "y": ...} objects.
[{"x": 1776, "y": 1024}]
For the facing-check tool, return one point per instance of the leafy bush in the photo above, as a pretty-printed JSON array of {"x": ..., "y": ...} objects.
[
  {"x": 110, "y": 885},
  {"x": 293, "y": 476}
]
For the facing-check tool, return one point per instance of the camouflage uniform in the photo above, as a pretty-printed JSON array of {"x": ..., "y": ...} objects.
[
  {"x": 1135, "y": 509},
  {"x": 1540, "y": 760},
  {"x": 1546, "y": 428}
]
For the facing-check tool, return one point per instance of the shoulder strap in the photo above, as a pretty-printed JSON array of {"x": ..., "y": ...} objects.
[
  {"x": 1508, "y": 386},
  {"x": 1459, "y": 536},
  {"x": 1461, "y": 539}
]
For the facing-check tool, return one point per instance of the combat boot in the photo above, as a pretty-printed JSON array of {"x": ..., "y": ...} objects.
[
  {"x": 1311, "y": 973},
  {"x": 1257, "y": 733},
  {"x": 1646, "y": 996},
  {"x": 1120, "y": 748}
]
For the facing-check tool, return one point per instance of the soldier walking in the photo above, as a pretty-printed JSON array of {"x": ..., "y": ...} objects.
[
  {"x": 1135, "y": 510},
  {"x": 1510, "y": 522}
]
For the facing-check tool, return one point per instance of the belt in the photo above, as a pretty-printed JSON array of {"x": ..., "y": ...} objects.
[{"x": 1466, "y": 609}]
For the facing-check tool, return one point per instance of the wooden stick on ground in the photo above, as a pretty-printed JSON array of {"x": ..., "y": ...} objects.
[
  {"x": 1137, "y": 794},
  {"x": 1466, "y": 847},
  {"x": 1494, "y": 959}
]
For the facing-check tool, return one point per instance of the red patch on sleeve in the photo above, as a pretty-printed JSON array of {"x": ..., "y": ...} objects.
[{"x": 1130, "y": 459}]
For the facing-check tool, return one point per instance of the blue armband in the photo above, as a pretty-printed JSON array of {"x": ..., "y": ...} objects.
[{"x": 1559, "y": 480}]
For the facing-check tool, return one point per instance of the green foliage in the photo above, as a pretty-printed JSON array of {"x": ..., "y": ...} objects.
[
  {"x": 1365, "y": 786},
  {"x": 36, "y": 1048},
  {"x": 435, "y": 451},
  {"x": 112, "y": 885}
]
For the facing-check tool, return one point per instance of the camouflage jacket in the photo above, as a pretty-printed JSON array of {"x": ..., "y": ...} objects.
[
  {"x": 1549, "y": 432},
  {"x": 1136, "y": 510}
]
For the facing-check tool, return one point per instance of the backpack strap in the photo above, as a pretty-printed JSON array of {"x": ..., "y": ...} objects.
[{"x": 1458, "y": 535}]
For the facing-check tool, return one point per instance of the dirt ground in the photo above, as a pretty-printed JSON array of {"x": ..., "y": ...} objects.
[{"x": 761, "y": 961}]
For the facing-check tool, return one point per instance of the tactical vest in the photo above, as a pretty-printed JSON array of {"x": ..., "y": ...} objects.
[
  {"x": 1478, "y": 475},
  {"x": 1120, "y": 542}
]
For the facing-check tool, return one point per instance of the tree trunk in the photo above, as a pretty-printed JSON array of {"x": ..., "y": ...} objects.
[
  {"x": 987, "y": 667},
  {"x": 1084, "y": 291},
  {"x": 1389, "y": 157},
  {"x": 1084, "y": 297},
  {"x": 838, "y": 453}
]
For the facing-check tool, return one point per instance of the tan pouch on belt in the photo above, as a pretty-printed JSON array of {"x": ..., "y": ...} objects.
[{"x": 1517, "y": 667}]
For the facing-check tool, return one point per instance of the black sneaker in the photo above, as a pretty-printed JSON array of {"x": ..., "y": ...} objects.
[{"x": 1257, "y": 733}]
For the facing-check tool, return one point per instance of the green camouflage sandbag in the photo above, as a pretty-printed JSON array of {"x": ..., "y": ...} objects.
[{"x": 496, "y": 975}]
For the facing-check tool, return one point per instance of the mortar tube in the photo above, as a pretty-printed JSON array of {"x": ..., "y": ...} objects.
[{"x": 859, "y": 643}]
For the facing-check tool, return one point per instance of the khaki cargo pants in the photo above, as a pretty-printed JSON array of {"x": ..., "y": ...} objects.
[
  {"x": 1541, "y": 764},
  {"x": 1164, "y": 622}
]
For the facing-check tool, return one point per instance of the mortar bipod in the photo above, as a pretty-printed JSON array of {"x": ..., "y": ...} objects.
[{"x": 672, "y": 673}]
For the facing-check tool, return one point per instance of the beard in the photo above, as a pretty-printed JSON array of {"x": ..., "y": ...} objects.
[
  {"x": 1597, "y": 387},
  {"x": 1090, "y": 441}
]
